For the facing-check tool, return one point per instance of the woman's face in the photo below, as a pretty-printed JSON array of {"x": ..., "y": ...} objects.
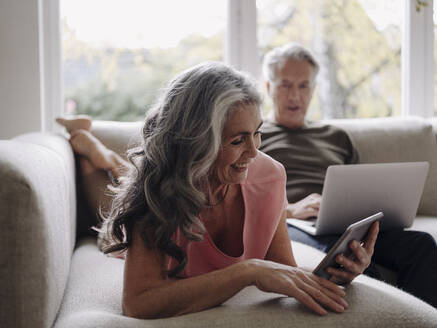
[{"x": 241, "y": 139}]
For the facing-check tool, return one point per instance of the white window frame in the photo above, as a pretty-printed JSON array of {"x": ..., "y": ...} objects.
[
  {"x": 52, "y": 98},
  {"x": 241, "y": 41},
  {"x": 418, "y": 60}
]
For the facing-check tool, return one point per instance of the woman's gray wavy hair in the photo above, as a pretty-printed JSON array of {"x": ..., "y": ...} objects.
[
  {"x": 277, "y": 57},
  {"x": 181, "y": 139}
]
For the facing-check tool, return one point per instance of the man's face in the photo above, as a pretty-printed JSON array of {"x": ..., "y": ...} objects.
[{"x": 291, "y": 93}]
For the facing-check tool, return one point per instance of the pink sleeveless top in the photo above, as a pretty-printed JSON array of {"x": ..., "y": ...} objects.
[{"x": 264, "y": 201}]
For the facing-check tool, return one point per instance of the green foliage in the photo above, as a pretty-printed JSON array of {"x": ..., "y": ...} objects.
[
  {"x": 123, "y": 84},
  {"x": 360, "y": 75}
]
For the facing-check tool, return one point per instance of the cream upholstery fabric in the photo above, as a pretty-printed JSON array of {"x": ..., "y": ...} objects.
[
  {"x": 94, "y": 294},
  {"x": 127, "y": 134},
  {"x": 37, "y": 235}
]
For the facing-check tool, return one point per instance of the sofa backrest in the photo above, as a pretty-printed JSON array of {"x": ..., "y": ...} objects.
[
  {"x": 377, "y": 140},
  {"x": 118, "y": 136}
]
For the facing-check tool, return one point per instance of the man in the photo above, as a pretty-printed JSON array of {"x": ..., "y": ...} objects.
[{"x": 306, "y": 149}]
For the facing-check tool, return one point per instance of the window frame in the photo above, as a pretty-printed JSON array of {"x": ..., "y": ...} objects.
[
  {"x": 418, "y": 60},
  {"x": 51, "y": 79}
]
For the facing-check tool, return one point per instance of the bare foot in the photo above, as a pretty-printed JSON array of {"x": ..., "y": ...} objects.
[
  {"x": 85, "y": 144},
  {"x": 76, "y": 122}
]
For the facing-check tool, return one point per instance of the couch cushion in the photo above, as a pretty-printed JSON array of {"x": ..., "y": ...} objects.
[
  {"x": 37, "y": 219},
  {"x": 93, "y": 299},
  {"x": 383, "y": 140}
]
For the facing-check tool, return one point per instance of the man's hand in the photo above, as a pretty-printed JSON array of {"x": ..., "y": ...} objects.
[
  {"x": 362, "y": 255},
  {"x": 305, "y": 208}
]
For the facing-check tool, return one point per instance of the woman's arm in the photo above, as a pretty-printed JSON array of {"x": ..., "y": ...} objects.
[
  {"x": 280, "y": 250},
  {"x": 306, "y": 287},
  {"x": 147, "y": 293}
]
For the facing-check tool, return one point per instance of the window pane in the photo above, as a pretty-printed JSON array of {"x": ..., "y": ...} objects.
[
  {"x": 356, "y": 42},
  {"x": 117, "y": 54}
]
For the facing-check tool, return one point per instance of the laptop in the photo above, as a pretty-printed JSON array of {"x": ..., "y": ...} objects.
[{"x": 355, "y": 191}]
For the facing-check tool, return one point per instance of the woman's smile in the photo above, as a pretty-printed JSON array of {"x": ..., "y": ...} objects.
[{"x": 240, "y": 167}]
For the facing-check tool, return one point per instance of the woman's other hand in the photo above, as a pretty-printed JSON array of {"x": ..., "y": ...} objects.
[
  {"x": 314, "y": 292},
  {"x": 354, "y": 266}
]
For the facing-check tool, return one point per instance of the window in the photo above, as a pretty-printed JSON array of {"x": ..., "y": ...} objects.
[
  {"x": 117, "y": 54},
  {"x": 356, "y": 42}
]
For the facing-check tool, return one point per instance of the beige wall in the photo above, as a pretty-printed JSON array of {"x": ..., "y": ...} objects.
[
  {"x": 20, "y": 87},
  {"x": 30, "y": 66}
]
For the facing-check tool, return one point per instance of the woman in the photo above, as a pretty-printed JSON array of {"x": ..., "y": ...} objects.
[{"x": 202, "y": 214}]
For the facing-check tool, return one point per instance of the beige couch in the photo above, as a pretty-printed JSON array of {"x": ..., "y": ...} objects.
[{"x": 51, "y": 273}]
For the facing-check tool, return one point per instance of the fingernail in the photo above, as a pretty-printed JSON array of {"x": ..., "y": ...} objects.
[{"x": 344, "y": 303}]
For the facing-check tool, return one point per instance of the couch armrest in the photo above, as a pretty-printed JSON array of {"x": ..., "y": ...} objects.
[{"x": 38, "y": 227}]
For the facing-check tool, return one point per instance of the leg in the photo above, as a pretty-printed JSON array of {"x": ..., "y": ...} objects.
[
  {"x": 413, "y": 255},
  {"x": 99, "y": 166},
  {"x": 102, "y": 158},
  {"x": 94, "y": 183},
  {"x": 324, "y": 244},
  {"x": 96, "y": 161},
  {"x": 85, "y": 144}
]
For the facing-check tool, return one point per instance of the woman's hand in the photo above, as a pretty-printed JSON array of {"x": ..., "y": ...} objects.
[
  {"x": 305, "y": 208},
  {"x": 314, "y": 292},
  {"x": 354, "y": 266}
]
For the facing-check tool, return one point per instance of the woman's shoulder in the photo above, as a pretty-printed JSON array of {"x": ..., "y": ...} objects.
[{"x": 265, "y": 169}]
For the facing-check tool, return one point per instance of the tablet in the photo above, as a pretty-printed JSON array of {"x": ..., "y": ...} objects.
[{"x": 356, "y": 231}]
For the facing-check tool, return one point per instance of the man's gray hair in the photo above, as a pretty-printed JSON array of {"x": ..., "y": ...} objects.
[
  {"x": 277, "y": 57},
  {"x": 182, "y": 137}
]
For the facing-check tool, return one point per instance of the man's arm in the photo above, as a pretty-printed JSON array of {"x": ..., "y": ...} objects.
[{"x": 305, "y": 208}]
